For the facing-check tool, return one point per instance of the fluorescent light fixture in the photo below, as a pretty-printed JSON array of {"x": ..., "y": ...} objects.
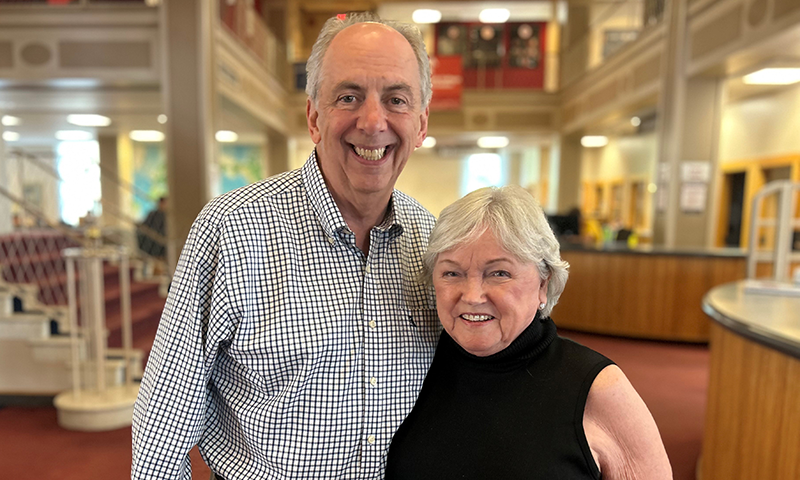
[
  {"x": 493, "y": 142},
  {"x": 426, "y": 15},
  {"x": 226, "y": 136},
  {"x": 146, "y": 136},
  {"x": 594, "y": 141},
  {"x": 494, "y": 15},
  {"x": 429, "y": 142},
  {"x": 162, "y": 119},
  {"x": 73, "y": 135},
  {"x": 773, "y": 76},
  {"x": 10, "y": 121},
  {"x": 10, "y": 136},
  {"x": 88, "y": 120},
  {"x": 636, "y": 121}
]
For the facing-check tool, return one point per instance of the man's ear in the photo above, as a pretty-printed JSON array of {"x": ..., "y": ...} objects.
[
  {"x": 423, "y": 126},
  {"x": 311, "y": 119}
]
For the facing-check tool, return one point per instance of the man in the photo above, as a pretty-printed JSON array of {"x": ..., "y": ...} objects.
[{"x": 296, "y": 337}]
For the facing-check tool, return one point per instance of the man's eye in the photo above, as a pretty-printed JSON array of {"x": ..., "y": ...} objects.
[
  {"x": 347, "y": 98},
  {"x": 397, "y": 101}
]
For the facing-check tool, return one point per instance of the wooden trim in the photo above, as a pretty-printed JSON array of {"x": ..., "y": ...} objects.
[{"x": 752, "y": 425}]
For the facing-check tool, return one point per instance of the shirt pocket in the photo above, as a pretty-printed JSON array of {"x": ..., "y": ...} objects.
[{"x": 420, "y": 338}]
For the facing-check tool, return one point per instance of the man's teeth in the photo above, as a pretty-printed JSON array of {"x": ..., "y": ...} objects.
[
  {"x": 476, "y": 318},
  {"x": 367, "y": 154}
]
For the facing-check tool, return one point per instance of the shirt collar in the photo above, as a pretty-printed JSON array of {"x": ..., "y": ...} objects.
[{"x": 328, "y": 212}]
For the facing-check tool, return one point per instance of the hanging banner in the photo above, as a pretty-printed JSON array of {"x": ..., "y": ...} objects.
[{"x": 447, "y": 78}]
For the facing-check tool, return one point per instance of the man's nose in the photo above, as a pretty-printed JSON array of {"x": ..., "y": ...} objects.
[
  {"x": 473, "y": 292},
  {"x": 372, "y": 118}
]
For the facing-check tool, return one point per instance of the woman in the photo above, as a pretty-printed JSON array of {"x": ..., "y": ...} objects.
[{"x": 506, "y": 397}]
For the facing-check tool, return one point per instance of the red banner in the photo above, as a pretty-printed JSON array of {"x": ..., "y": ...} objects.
[{"x": 448, "y": 82}]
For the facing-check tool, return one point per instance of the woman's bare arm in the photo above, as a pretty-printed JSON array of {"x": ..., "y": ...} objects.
[{"x": 621, "y": 432}]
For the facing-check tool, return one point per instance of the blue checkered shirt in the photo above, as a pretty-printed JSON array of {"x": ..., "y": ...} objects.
[{"x": 284, "y": 351}]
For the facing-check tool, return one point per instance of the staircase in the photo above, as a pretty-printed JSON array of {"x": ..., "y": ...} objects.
[{"x": 35, "y": 345}]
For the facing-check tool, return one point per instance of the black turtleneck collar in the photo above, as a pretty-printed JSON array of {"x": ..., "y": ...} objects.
[{"x": 530, "y": 343}]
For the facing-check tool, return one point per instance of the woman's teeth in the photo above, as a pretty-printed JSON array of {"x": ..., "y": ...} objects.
[
  {"x": 476, "y": 318},
  {"x": 372, "y": 155}
]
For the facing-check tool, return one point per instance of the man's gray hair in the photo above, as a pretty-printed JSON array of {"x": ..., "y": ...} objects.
[
  {"x": 335, "y": 25},
  {"x": 516, "y": 220}
]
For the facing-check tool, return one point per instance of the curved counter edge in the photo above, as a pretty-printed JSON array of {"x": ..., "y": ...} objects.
[{"x": 751, "y": 328}]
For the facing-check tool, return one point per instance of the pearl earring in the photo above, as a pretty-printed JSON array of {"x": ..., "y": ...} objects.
[{"x": 541, "y": 306}]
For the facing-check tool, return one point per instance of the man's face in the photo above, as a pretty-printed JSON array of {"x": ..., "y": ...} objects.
[{"x": 367, "y": 118}]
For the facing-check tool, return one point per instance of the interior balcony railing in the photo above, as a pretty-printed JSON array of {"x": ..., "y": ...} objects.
[
  {"x": 610, "y": 26},
  {"x": 78, "y": 3},
  {"x": 244, "y": 22}
]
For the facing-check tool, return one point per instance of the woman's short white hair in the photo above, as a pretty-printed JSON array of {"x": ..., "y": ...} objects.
[
  {"x": 335, "y": 25},
  {"x": 517, "y": 221}
]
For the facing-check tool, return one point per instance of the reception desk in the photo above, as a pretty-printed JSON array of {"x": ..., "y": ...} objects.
[
  {"x": 651, "y": 293},
  {"x": 752, "y": 428}
]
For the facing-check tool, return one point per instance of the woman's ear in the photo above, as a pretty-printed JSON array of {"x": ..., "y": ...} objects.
[{"x": 543, "y": 290}]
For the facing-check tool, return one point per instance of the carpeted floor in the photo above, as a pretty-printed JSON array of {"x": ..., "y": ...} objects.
[{"x": 671, "y": 378}]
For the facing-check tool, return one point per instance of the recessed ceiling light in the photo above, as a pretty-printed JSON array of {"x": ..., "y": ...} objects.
[
  {"x": 88, "y": 120},
  {"x": 146, "y": 136},
  {"x": 162, "y": 119},
  {"x": 773, "y": 76},
  {"x": 10, "y": 136},
  {"x": 594, "y": 141},
  {"x": 494, "y": 15},
  {"x": 426, "y": 15},
  {"x": 636, "y": 121},
  {"x": 74, "y": 135},
  {"x": 11, "y": 121},
  {"x": 493, "y": 142},
  {"x": 226, "y": 136},
  {"x": 429, "y": 142}
]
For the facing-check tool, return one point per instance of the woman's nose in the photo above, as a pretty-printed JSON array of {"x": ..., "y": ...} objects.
[
  {"x": 473, "y": 291},
  {"x": 372, "y": 117}
]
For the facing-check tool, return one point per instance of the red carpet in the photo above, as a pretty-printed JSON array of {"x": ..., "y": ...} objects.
[{"x": 671, "y": 378}]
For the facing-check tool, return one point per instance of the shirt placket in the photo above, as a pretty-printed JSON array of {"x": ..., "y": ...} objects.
[{"x": 375, "y": 439}]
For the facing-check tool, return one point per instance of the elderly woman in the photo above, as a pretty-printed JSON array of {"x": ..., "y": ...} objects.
[{"x": 506, "y": 397}]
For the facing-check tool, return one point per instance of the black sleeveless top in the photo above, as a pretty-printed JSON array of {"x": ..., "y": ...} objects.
[{"x": 517, "y": 414}]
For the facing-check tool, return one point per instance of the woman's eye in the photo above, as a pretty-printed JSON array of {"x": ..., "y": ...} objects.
[
  {"x": 500, "y": 273},
  {"x": 449, "y": 274}
]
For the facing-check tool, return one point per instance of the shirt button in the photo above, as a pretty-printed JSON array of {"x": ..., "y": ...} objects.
[
  {"x": 371, "y": 439},
  {"x": 372, "y": 324},
  {"x": 373, "y": 381},
  {"x": 367, "y": 269}
]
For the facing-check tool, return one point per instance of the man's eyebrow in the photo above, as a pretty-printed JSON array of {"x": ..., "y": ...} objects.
[
  {"x": 401, "y": 87},
  {"x": 347, "y": 85}
]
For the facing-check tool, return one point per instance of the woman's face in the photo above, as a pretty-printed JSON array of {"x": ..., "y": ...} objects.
[{"x": 485, "y": 296}]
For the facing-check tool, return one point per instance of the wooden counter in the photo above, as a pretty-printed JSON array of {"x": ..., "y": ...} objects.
[
  {"x": 643, "y": 293},
  {"x": 752, "y": 428}
]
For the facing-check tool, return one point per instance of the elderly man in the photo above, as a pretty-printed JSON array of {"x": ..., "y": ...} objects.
[{"x": 295, "y": 338}]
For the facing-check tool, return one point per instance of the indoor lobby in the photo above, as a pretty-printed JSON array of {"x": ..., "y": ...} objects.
[{"x": 659, "y": 136}]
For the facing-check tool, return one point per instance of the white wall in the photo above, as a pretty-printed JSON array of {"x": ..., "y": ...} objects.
[{"x": 762, "y": 126}]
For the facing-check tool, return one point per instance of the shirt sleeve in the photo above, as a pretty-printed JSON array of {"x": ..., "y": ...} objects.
[{"x": 169, "y": 413}]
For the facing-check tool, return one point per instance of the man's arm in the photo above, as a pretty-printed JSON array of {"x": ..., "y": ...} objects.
[
  {"x": 169, "y": 413},
  {"x": 621, "y": 432}
]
